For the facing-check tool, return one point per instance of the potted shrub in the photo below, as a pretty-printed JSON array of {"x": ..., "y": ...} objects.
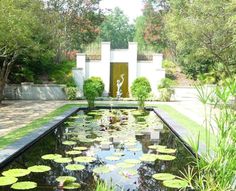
[
  {"x": 165, "y": 89},
  {"x": 140, "y": 89},
  {"x": 93, "y": 87}
]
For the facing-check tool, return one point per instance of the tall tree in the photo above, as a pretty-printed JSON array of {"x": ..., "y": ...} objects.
[
  {"x": 18, "y": 23},
  {"x": 150, "y": 27},
  {"x": 117, "y": 30},
  {"x": 203, "y": 33},
  {"x": 74, "y": 23}
]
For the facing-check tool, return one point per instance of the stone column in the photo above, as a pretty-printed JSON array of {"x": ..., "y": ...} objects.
[
  {"x": 159, "y": 73},
  {"x": 106, "y": 59},
  {"x": 80, "y": 73},
  {"x": 157, "y": 60},
  {"x": 133, "y": 63},
  {"x": 81, "y": 63}
]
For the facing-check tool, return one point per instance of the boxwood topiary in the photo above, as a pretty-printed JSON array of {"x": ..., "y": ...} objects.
[
  {"x": 93, "y": 87},
  {"x": 140, "y": 89}
]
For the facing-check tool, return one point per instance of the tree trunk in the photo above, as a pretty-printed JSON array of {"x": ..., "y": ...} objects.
[
  {"x": 2, "y": 85},
  {"x": 5, "y": 71}
]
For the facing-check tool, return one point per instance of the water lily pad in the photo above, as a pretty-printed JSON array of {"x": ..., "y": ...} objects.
[
  {"x": 63, "y": 160},
  {"x": 113, "y": 158},
  {"x": 99, "y": 139},
  {"x": 132, "y": 161},
  {"x": 27, "y": 185},
  {"x": 71, "y": 186},
  {"x": 139, "y": 113},
  {"x": 5, "y": 181},
  {"x": 125, "y": 165},
  {"x": 106, "y": 143},
  {"x": 102, "y": 169},
  {"x": 166, "y": 151},
  {"x": 73, "y": 152},
  {"x": 94, "y": 113},
  {"x": 166, "y": 157},
  {"x": 39, "y": 168},
  {"x": 86, "y": 140},
  {"x": 51, "y": 156},
  {"x": 148, "y": 157},
  {"x": 16, "y": 172},
  {"x": 69, "y": 143},
  {"x": 67, "y": 179},
  {"x": 155, "y": 147},
  {"x": 175, "y": 183},
  {"x": 128, "y": 173},
  {"x": 81, "y": 148},
  {"x": 75, "y": 167},
  {"x": 163, "y": 176},
  {"x": 84, "y": 159}
]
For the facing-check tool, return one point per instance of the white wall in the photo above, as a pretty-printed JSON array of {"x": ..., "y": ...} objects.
[
  {"x": 149, "y": 70},
  {"x": 120, "y": 55},
  {"x": 97, "y": 68},
  {"x": 133, "y": 67}
]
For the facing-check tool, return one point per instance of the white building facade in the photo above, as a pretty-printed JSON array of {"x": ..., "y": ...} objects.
[{"x": 108, "y": 68}]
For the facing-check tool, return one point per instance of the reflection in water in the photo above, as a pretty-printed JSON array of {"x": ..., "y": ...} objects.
[{"x": 105, "y": 133}]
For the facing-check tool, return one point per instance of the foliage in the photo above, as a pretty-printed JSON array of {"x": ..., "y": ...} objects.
[
  {"x": 217, "y": 171},
  {"x": 163, "y": 176},
  {"x": 102, "y": 186},
  {"x": 18, "y": 24},
  {"x": 175, "y": 183},
  {"x": 18, "y": 172},
  {"x": 61, "y": 73},
  {"x": 93, "y": 87},
  {"x": 5, "y": 181},
  {"x": 117, "y": 30},
  {"x": 73, "y": 24},
  {"x": 149, "y": 27},
  {"x": 26, "y": 185},
  {"x": 165, "y": 89},
  {"x": 140, "y": 89},
  {"x": 34, "y": 35},
  {"x": 39, "y": 168},
  {"x": 51, "y": 156},
  {"x": 203, "y": 35},
  {"x": 75, "y": 167},
  {"x": 170, "y": 69},
  {"x": 71, "y": 93}
]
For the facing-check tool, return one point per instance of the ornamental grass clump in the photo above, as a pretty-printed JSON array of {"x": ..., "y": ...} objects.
[
  {"x": 93, "y": 88},
  {"x": 215, "y": 169},
  {"x": 141, "y": 89}
]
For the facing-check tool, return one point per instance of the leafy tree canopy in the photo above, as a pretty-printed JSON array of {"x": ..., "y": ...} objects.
[
  {"x": 117, "y": 30},
  {"x": 203, "y": 33}
]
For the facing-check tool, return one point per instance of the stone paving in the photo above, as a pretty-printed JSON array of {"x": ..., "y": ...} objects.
[{"x": 16, "y": 114}]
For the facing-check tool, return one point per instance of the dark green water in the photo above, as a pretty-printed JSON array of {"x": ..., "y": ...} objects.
[{"x": 118, "y": 127}]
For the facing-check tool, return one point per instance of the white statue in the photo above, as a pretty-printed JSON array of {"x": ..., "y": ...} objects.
[{"x": 119, "y": 84}]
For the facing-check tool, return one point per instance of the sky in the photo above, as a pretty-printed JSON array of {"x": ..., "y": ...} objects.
[{"x": 131, "y": 8}]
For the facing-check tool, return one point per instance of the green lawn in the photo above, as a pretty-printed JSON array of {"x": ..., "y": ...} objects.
[
  {"x": 193, "y": 127},
  {"x": 19, "y": 133}
]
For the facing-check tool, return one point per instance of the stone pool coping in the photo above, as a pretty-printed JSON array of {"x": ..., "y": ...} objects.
[{"x": 14, "y": 150}]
